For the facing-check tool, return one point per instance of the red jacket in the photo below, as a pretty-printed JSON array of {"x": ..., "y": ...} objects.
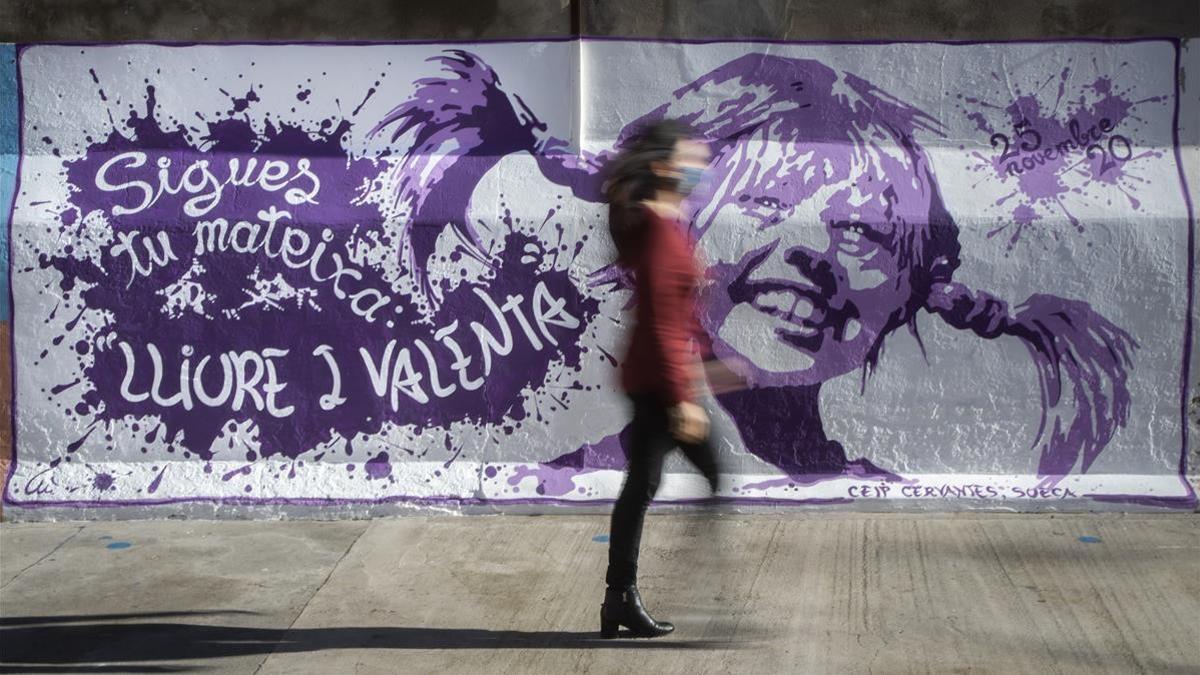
[{"x": 661, "y": 359}]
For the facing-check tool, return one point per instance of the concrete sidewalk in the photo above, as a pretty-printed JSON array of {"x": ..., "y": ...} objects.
[{"x": 793, "y": 592}]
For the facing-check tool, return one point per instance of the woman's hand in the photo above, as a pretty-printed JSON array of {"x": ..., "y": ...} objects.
[{"x": 689, "y": 422}]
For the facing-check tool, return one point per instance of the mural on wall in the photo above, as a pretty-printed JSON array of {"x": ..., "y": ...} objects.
[{"x": 322, "y": 273}]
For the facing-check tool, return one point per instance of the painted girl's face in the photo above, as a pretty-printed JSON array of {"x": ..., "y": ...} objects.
[{"x": 804, "y": 266}]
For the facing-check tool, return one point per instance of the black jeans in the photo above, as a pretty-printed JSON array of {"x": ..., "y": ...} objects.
[{"x": 650, "y": 441}]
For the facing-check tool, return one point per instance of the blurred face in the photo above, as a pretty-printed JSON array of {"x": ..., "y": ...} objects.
[
  {"x": 689, "y": 160},
  {"x": 805, "y": 273}
]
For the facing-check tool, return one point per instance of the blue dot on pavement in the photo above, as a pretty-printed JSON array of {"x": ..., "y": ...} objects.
[
  {"x": 119, "y": 544},
  {"x": 1089, "y": 539},
  {"x": 600, "y": 538}
]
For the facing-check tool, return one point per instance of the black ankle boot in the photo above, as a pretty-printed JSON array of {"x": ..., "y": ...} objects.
[{"x": 623, "y": 607}]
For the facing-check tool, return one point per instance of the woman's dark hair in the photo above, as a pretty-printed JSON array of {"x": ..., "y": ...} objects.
[{"x": 630, "y": 179}]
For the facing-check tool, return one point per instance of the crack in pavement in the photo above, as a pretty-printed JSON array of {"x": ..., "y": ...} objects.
[{"x": 39, "y": 560}]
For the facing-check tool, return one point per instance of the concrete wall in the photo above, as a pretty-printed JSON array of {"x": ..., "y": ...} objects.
[
  {"x": 1189, "y": 139},
  {"x": 892, "y": 20},
  {"x": 953, "y": 420},
  {"x": 8, "y": 173},
  {"x": 223, "y": 20},
  {"x": 215, "y": 20}
]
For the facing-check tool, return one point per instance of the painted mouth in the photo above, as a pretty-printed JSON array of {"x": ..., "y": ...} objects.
[
  {"x": 790, "y": 305},
  {"x": 800, "y": 312}
]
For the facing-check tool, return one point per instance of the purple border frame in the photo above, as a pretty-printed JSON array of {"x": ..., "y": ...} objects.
[
  {"x": 586, "y": 38},
  {"x": 1187, "y": 501},
  {"x": 427, "y": 501},
  {"x": 1191, "y": 284}
]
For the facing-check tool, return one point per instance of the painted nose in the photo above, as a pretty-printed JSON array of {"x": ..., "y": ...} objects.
[
  {"x": 815, "y": 269},
  {"x": 798, "y": 248},
  {"x": 812, "y": 236}
]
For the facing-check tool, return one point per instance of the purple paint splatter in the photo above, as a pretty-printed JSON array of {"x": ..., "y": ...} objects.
[
  {"x": 1053, "y": 148},
  {"x": 199, "y": 256},
  {"x": 378, "y": 467}
]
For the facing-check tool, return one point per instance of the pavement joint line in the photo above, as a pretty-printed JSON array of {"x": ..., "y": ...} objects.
[
  {"x": 332, "y": 569},
  {"x": 990, "y": 541},
  {"x": 37, "y": 562},
  {"x": 767, "y": 550}
]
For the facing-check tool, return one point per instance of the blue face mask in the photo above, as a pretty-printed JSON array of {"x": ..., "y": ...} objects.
[{"x": 689, "y": 179}]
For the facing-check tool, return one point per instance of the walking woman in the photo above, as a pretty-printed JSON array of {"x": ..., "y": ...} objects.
[{"x": 646, "y": 186}]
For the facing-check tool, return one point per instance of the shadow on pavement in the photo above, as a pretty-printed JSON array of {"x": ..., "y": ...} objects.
[
  {"x": 82, "y": 618},
  {"x": 123, "y": 668},
  {"x": 71, "y": 643}
]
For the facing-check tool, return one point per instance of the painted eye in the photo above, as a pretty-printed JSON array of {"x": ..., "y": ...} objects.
[{"x": 767, "y": 212}]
